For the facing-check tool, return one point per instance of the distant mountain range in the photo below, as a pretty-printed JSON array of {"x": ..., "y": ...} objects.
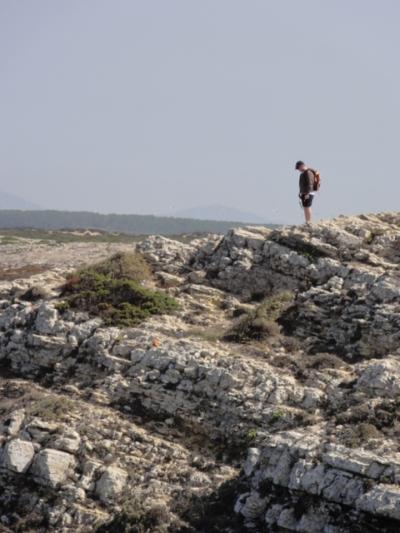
[
  {"x": 12, "y": 201},
  {"x": 220, "y": 212},
  {"x": 133, "y": 224},
  {"x": 214, "y": 212},
  {"x": 16, "y": 212}
]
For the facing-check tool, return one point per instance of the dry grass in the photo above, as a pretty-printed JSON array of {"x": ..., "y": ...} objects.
[
  {"x": 26, "y": 271},
  {"x": 125, "y": 265},
  {"x": 260, "y": 324}
]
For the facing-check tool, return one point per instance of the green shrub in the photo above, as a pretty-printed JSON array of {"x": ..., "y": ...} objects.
[
  {"x": 62, "y": 306},
  {"x": 276, "y": 415},
  {"x": 274, "y": 306},
  {"x": 252, "y": 434},
  {"x": 111, "y": 290},
  {"x": 260, "y": 324}
]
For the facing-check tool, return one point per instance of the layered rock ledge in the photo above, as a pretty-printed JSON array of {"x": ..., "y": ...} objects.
[{"x": 102, "y": 425}]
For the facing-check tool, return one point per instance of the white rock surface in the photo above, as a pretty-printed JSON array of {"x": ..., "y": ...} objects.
[
  {"x": 18, "y": 455},
  {"x": 52, "y": 467},
  {"x": 317, "y": 404},
  {"x": 111, "y": 483}
]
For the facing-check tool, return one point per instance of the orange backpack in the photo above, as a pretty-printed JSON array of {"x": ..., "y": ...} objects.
[{"x": 317, "y": 179}]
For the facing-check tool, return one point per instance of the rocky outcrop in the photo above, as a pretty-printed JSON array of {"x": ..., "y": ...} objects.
[
  {"x": 345, "y": 274},
  {"x": 219, "y": 391},
  {"x": 154, "y": 421},
  {"x": 305, "y": 462}
]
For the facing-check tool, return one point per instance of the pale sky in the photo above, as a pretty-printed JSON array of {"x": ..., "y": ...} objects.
[{"x": 153, "y": 106}]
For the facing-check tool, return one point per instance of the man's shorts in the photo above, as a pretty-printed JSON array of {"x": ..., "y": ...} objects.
[{"x": 307, "y": 202}]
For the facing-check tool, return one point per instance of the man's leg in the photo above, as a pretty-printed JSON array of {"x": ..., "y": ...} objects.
[{"x": 307, "y": 214}]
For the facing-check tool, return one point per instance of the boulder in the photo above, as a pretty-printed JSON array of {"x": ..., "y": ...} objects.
[
  {"x": 18, "y": 455},
  {"x": 15, "y": 421},
  {"x": 68, "y": 441},
  {"x": 52, "y": 467},
  {"x": 46, "y": 318},
  {"x": 111, "y": 483}
]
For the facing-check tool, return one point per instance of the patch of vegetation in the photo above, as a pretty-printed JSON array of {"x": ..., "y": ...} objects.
[
  {"x": 210, "y": 334},
  {"x": 357, "y": 435},
  {"x": 251, "y": 435},
  {"x": 112, "y": 290},
  {"x": 26, "y": 271},
  {"x": 384, "y": 415},
  {"x": 54, "y": 237},
  {"x": 48, "y": 237},
  {"x": 62, "y": 307},
  {"x": 276, "y": 416},
  {"x": 5, "y": 239},
  {"x": 323, "y": 361},
  {"x": 33, "y": 294},
  {"x": 51, "y": 408},
  {"x": 260, "y": 324},
  {"x": 136, "y": 517},
  {"x": 214, "y": 513},
  {"x": 124, "y": 265}
]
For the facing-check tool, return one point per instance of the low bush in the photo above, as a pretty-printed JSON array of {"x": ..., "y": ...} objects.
[
  {"x": 358, "y": 435},
  {"x": 51, "y": 408},
  {"x": 137, "y": 517},
  {"x": 124, "y": 265},
  {"x": 112, "y": 290},
  {"x": 260, "y": 324},
  {"x": 211, "y": 334},
  {"x": 33, "y": 294}
]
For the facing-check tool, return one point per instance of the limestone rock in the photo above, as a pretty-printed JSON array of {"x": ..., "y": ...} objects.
[
  {"x": 317, "y": 403},
  {"x": 69, "y": 441},
  {"x": 111, "y": 483},
  {"x": 18, "y": 455},
  {"x": 15, "y": 421},
  {"x": 52, "y": 467}
]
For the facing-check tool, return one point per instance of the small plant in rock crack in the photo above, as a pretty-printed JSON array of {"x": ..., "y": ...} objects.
[
  {"x": 63, "y": 306},
  {"x": 252, "y": 434},
  {"x": 276, "y": 415}
]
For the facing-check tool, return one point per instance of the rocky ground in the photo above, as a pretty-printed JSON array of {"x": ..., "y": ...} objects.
[{"x": 167, "y": 427}]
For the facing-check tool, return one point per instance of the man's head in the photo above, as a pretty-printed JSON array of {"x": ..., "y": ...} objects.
[{"x": 301, "y": 166}]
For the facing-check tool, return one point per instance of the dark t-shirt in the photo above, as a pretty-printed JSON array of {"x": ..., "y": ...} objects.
[{"x": 306, "y": 182}]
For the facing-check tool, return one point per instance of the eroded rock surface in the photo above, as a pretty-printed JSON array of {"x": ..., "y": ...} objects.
[{"x": 168, "y": 423}]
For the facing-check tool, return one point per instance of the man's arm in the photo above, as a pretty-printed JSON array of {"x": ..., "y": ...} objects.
[{"x": 309, "y": 182}]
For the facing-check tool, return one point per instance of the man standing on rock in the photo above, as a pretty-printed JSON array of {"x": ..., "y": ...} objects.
[{"x": 309, "y": 183}]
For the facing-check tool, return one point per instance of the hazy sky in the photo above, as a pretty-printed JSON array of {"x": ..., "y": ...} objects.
[{"x": 155, "y": 105}]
